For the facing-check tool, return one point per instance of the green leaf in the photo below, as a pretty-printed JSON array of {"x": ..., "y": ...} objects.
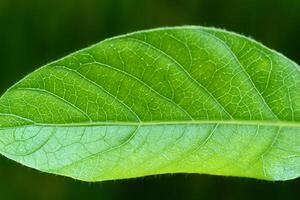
[{"x": 170, "y": 100}]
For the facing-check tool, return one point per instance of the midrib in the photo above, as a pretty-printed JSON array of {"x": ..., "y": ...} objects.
[
  {"x": 274, "y": 123},
  {"x": 193, "y": 122}
]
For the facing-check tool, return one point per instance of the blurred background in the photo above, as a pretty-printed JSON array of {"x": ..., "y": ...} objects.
[{"x": 35, "y": 32}]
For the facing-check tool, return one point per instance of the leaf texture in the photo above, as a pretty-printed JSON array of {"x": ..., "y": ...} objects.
[{"x": 170, "y": 100}]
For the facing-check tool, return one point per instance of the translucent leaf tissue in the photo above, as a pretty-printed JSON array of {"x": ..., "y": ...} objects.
[{"x": 170, "y": 100}]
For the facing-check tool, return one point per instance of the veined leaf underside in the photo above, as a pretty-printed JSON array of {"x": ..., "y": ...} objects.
[{"x": 171, "y": 100}]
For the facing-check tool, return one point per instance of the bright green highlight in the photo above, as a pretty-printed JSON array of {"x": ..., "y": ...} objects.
[{"x": 170, "y": 100}]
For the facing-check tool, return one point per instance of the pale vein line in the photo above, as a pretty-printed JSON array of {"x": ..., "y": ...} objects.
[
  {"x": 17, "y": 116},
  {"x": 274, "y": 140},
  {"x": 265, "y": 152},
  {"x": 100, "y": 87},
  {"x": 143, "y": 83},
  {"x": 39, "y": 90},
  {"x": 243, "y": 69},
  {"x": 98, "y": 154},
  {"x": 165, "y": 149},
  {"x": 40, "y": 146},
  {"x": 174, "y": 123},
  {"x": 184, "y": 156},
  {"x": 183, "y": 70}
]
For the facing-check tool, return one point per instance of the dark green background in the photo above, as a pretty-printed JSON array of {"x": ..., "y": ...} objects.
[{"x": 34, "y": 32}]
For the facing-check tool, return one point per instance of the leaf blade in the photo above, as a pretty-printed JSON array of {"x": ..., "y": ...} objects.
[{"x": 174, "y": 100}]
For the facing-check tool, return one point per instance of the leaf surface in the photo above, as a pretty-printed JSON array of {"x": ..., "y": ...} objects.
[{"x": 170, "y": 100}]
